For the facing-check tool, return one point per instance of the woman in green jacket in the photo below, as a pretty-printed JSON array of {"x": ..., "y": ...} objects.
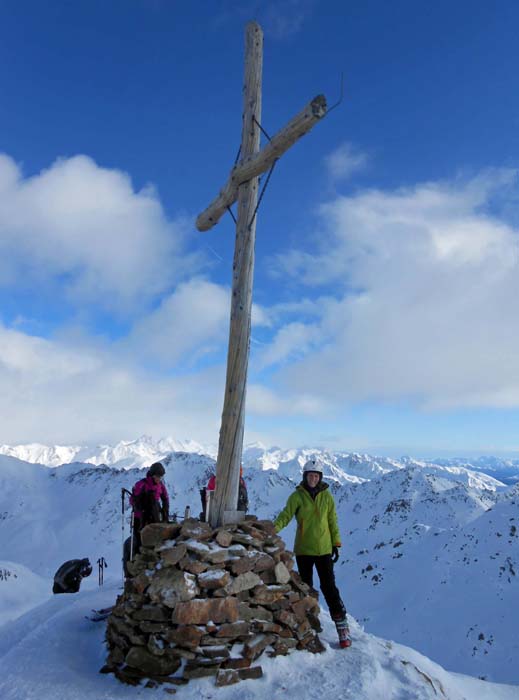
[{"x": 317, "y": 539}]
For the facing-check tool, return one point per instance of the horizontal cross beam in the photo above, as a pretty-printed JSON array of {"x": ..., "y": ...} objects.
[{"x": 256, "y": 164}]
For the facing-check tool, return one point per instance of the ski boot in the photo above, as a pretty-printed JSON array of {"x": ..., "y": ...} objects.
[{"x": 343, "y": 632}]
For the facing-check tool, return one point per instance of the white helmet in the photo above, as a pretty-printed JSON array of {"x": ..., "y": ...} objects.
[{"x": 312, "y": 466}]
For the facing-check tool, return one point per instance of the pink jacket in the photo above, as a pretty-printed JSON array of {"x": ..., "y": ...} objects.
[{"x": 147, "y": 486}]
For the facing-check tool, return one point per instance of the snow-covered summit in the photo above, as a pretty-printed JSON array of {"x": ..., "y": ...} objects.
[
  {"x": 123, "y": 455},
  {"x": 338, "y": 466},
  {"x": 53, "y": 651},
  {"x": 406, "y": 528}
]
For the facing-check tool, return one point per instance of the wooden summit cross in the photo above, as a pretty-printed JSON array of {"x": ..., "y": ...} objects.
[{"x": 242, "y": 185}]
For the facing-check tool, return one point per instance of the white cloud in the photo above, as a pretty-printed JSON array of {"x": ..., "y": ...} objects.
[
  {"x": 344, "y": 161},
  {"x": 61, "y": 391},
  {"x": 418, "y": 303},
  {"x": 193, "y": 320},
  {"x": 260, "y": 316},
  {"x": 262, "y": 401},
  {"x": 37, "y": 361},
  {"x": 85, "y": 230},
  {"x": 292, "y": 341},
  {"x": 427, "y": 280}
]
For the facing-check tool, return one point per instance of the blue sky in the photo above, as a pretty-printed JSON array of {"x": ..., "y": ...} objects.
[{"x": 386, "y": 282}]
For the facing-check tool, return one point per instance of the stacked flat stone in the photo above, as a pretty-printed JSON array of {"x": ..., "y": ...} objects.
[{"x": 203, "y": 602}]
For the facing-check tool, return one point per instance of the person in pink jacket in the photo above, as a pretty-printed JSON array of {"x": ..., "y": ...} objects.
[{"x": 150, "y": 499}]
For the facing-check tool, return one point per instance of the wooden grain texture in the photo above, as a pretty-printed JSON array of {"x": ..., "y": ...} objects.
[
  {"x": 233, "y": 416},
  {"x": 256, "y": 163}
]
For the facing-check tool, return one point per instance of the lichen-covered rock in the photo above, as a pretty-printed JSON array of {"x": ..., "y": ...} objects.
[
  {"x": 264, "y": 626},
  {"x": 268, "y": 577},
  {"x": 286, "y": 618},
  {"x": 237, "y": 663},
  {"x": 282, "y": 573},
  {"x": 153, "y": 613},
  {"x": 256, "y": 612},
  {"x": 141, "y": 582},
  {"x": 145, "y": 661},
  {"x": 243, "y": 582},
  {"x": 192, "y": 565},
  {"x": 201, "y": 668},
  {"x": 252, "y": 649},
  {"x": 216, "y": 651},
  {"x": 211, "y": 579},
  {"x": 157, "y": 533},
  {"x": 267, "y": 526},
  {"x": 214, "y": 554},
  {"x": 249, "y": 673},
  {"x": 247, "y": 540},
  {"x": 227, "y": 677},
  {"x": 185, "y": 635},
  {"x": 266, "y": 595},
  {"x": 224, "y": 538},
  {"x": 233, "y": 629},
  {"x": 172, "y": 555},
  {"x": 288, "y": 559},
  {"x": 195, "y": 529},
  {"x": 199, "y": 611},
  {"x": 302, "y": 606},
  {"x": 171, "y": 586},
  {"x": 155, "y": 645},
  {"x": 264, "y": 562},
  {"x": 241, "y": 565}
]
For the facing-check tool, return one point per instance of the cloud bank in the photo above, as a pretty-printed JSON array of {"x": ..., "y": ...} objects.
[
  {"x": 408, "y": 296},
  {"x": 427, "y": 283},
  {"x": 82, "y": 229}
]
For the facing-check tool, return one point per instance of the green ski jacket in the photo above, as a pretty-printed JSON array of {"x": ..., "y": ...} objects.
[{"x": 317, "y": 528}]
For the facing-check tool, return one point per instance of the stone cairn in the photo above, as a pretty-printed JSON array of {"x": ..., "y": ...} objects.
[{"x": 201, "y": 602}]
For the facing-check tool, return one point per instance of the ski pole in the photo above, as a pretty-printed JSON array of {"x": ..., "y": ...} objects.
[
  {"x": 132, "y": 526},
  {"x": 101, "y": 562},
  {"x": 122, "y": 529},
  {"x": 123, "y": 493}
]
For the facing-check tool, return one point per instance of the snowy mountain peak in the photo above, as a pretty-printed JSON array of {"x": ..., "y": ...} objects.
[{"x": 417, "y": 537}]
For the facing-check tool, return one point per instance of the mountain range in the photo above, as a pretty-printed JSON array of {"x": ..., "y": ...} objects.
[{"x": 430, "y": 554}]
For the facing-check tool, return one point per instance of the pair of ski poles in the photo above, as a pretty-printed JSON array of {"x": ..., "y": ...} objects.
[{"x": 101, "y": 563}]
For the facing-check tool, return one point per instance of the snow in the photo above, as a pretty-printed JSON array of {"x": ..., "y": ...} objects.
[
  {"x": 197, "y": 546},
  {"x": 125, "y": 454},
  {"x": 339, "y": 466},
  {"x": 430, "y": 554},
  {"x": 20, "y": 590},
  {"x": 53, "y": 651}
]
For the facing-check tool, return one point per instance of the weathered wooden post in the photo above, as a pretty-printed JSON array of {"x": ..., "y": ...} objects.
[
  {"x": 243, "y": 186},
  {"x": 233, "y": 416}
]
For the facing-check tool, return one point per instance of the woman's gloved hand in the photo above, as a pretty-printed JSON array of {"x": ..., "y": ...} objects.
[{"x": 335, "y": 554}]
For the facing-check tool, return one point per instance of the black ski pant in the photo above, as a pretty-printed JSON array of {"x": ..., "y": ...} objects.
[
  {"x": 324, "y": 566},
  {"x": 138, "y": 524}
]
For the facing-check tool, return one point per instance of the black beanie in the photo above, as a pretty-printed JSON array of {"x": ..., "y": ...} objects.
[{"x": 156, "y": 469}]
